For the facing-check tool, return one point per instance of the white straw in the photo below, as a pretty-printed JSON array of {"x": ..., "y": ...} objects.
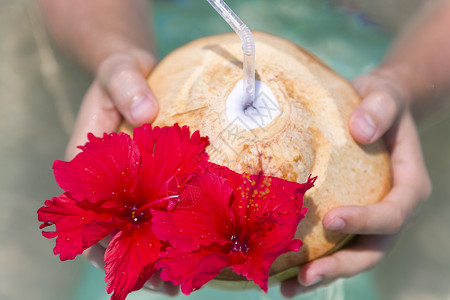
[{"x": 248, "y": 47}]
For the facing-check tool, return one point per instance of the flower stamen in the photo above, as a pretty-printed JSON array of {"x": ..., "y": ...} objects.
[
  {"x": 239, "y": 245},
  {"x": 136, "y": 215}
]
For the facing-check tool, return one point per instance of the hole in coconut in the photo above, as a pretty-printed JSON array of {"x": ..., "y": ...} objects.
[{"x": 258, "y": 114}]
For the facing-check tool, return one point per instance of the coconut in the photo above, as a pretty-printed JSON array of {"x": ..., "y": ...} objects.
[{"x": 302, "y": 115}]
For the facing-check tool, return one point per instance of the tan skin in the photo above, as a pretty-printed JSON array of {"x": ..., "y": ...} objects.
[{"x": 114, "y": 43}]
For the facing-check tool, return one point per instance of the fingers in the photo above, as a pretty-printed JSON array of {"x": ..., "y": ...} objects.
[
  {"x": 382, "y": 218},
  {"x": 96, "y": 115},
  {"x": 407, "y": 158},
  {"x": 381, "y": 113},
  {"x": 385, "y": 217},
  {"x": 120, "y": 91},
  {"x": 382, "y": 104},
  {"x": 366, "y": 252},
  {"x": 411, "y": 185},
  {"x": 123, "y": 76}
]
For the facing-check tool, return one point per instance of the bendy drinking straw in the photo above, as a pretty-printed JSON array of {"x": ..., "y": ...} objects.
[{"x": 248, "y": 47}]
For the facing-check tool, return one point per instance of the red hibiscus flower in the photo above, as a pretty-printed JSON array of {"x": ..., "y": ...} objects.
[
  {"x": 241, "y": 221},
  {"x": 112, "y": 187}
]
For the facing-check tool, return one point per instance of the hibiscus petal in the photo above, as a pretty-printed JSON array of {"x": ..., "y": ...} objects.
[
  {"x": 130, "y": 260},
  {"x": 105, "y": 169},
  {"x": 75, "y": 229},
  {"x": 167, "y": 152},
  {"x": 269, "y": 211},
  {"x": 279, "y": 212},
  {"x": 232, "y": 178},
  {"x": 192, "y": 270},
  {"x": 256, "y": 267},
  {"x": 206, "y": 221},
  {"x": 255, "y": 270}
]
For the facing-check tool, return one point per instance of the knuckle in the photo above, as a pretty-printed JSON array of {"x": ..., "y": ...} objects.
[
  {"x": 335, "y": 267},
  {"x": 362, "y": 83},
  {"x": 384, "y": 101},
  {"x": 398, "y": 220},
  {"x": 364, "y": 218},
  {"x": 110, "y": 62},
  {"x": 120, "y": 75},
  {"x": 144, "y": 59},
  {"x": 115, "y": 69},
  {"x": 372, "y": 262}
]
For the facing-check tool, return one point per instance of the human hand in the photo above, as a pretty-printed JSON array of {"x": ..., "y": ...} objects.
[
  {"x": 383, "y": 112},
  {"x": 119, "y": 91}
]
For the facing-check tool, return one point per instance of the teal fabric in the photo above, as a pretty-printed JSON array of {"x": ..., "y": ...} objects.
[{"x": 347, "y": 41}]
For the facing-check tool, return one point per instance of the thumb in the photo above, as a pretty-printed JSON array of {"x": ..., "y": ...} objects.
[
  {"x": 382, "y": 102},
  {"x": 123, "y": 76}
]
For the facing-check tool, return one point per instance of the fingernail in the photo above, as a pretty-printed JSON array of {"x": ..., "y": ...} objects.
[
  {"x": 142, "y": 110},
  {"x": 336, "y": 224},
  {"x": 365, "y": 125},
  {"x": 315, "y": 281}
]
